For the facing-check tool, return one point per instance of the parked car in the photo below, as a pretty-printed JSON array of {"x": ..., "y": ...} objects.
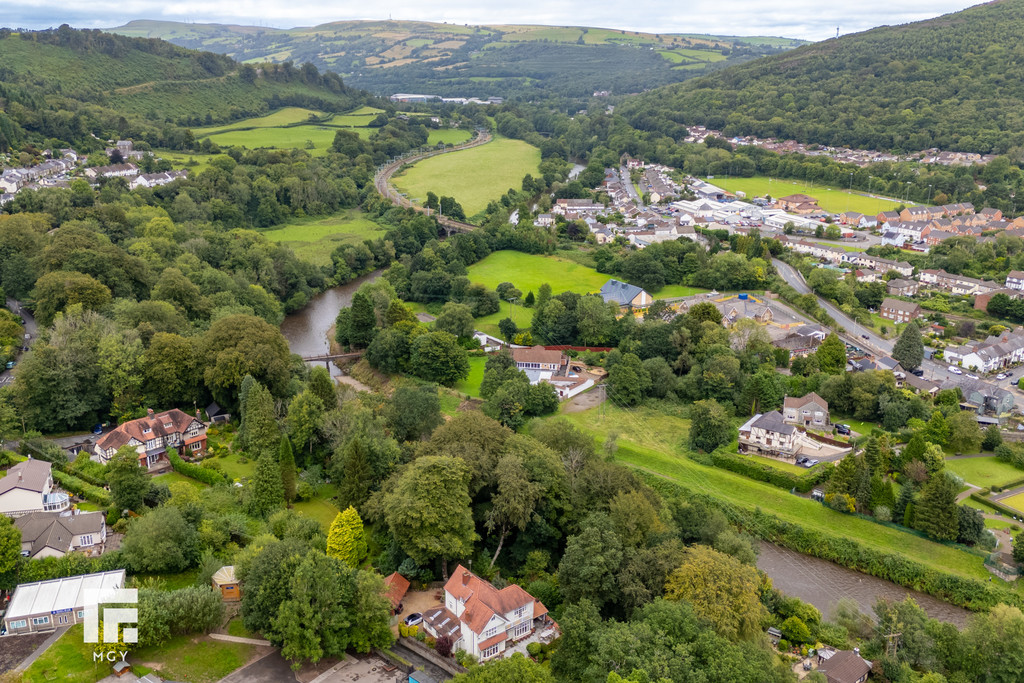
[
  {"x": 801, "y": 461},
  {"x": 413, "y": 619},
  {"x": 843, "y": 429},
  {"x": 971, "y": 375},
  {"x": 865, "y": 336},
  {"x": 1009, "y": 373},
  {"x": 10, "y": 364},
  {"x": 97, "y": 429},
  {"x": 1002, "y": 375},
  {"x": 955, "y": 370},
  {"x": 917, "y": 373},
  {"x": 811, "y": 463}
]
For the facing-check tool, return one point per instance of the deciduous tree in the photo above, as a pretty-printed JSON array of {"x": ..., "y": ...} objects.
[
  {"x": 831, "y": 355},
  {"x": 710, "y": 426}
]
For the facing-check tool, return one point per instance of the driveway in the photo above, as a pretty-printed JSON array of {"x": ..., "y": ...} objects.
[
  {"x": 270, "y": 669},
  {"x": 7, "y": 376}
]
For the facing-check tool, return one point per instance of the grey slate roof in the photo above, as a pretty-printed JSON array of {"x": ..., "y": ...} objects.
[
  {"x": 52, "y": 530},
  {"x": 773, "y": 422},
  {"x": 30, "y": 475},
  {"x": 619, "y": 292}
]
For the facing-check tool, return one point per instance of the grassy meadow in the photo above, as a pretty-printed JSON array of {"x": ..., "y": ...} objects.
[
  {"x": 473, "y": 176},
  {"x": 1016, "y": 502},
  {"x": 984, "y": 472},
  {"x": 529, "y": 271},
  {"x": 471, "y": 385},
  {"x": 830, "y": 199},
  {"x": 313, "y": 239}
]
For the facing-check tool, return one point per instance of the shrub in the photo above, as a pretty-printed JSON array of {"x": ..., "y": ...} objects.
[
  {"x": 883, "y": 513},
  {"x": 206, "y": 474},
  {"x": 783, "y": 645},
  {"x": 533, "y": 649},
  {"x": 73, "y": 484},
  {"x": 840, "y": 502},
  {"x": 766, "y": 473},
  {"x": 304, "y": 491},
  {"x": 443, "y": 646}
]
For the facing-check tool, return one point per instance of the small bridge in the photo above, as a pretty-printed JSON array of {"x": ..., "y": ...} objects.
[{"x": 327, "y": 358}]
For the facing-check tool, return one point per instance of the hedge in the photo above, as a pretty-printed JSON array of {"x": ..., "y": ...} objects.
[
  {"x": 207, "y": 476},
  {"x": 73, "y": 484},
  {"x": 768, "y": 474},
  {"x": 996, "y": 505},
  {"x": 1008, "y": 485},
  {"x": 971, "y": 594}
]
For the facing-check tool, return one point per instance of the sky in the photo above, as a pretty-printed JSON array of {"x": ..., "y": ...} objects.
[{"x": 807, "y": 19}]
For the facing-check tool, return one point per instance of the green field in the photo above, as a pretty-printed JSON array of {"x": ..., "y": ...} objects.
[
  {"x": 1016, "y": 502},
  {"x": 672, "y": 291},
  {"x": 281, "y": 117},
  {"x": 652, "y": 441},
  {"x": 449, "y": 136},
  {"x": 984, "y": 472},
  {"x": 471, "y": 385},
  {"x": 235, "y": 469},
  {"x": 529, "y": 271},
  {"x": 830, "y": 199},
  {"x": 316, "y": 139},
  {"x": 195, "y": 163},
  {"x": 473, "y": 176},
  {"x": 313, "y": 239}
]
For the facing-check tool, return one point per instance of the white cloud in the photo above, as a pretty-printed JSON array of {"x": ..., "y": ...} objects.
[{"x": 808, "y": 19}]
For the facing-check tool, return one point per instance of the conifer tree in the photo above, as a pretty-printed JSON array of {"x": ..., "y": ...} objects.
[
  {"x": 354, "y": 488},
  {"x": 286, "y": 462},
  {"x": 265, "y": 492},
  {"x": 909, "y": 349},
  {"x": 347, "y": 540},
  {"x": 322, "y": 386},
  {"x": 936, "y": 512}
]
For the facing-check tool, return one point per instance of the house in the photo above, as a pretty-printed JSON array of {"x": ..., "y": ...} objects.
[
  {"x": 1015, "y": 279},
  {"x": 992, "y": 354},
  {"x": 768, "y": 434},
  {"x": 227, "y": 583},
  {"x": 47, "y": 605},
  {"x": 55, "y": 534},
  {"x": 112, "y": 171},
  {"x": 398, "y": 586},
  {"x": 539, "y": 358},
  {"x": 28, "y": 487},
  {"x": 799, "y": 204},
  {"x": 898, "y": 310},
  {"x": 878, "y": 263},
  {"x": 545, "y": 220},
  {"x": 217, "y": 414},
  {"x": 625, "y": 295},
  {"x": 156, "y": 179},
  {"x": 843, "y": 666},
  {"x": 980, "y": 396},
  {"x": 900, "y": 287},
  {"x": 551, "y": 366},
  {"x": 809, "y": 410},
  {"x": 152, "y": 435},
  {"x": 802, "y": 341},
  {"x": 981, "y": 299},
  {"x": 483, "y": 620}
]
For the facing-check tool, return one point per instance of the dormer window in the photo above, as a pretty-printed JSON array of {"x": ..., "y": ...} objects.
[{"x": 147, "y": 430}]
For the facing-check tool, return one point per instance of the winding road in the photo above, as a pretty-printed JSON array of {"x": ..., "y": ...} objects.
[{"x": 382, "y": 180}]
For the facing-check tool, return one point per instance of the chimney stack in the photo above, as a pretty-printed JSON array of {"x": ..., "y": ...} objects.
[
  {"x": 465, "y": 578},
  {"x": 856, "y": 651},
  {"x": 149, "y": 412}
]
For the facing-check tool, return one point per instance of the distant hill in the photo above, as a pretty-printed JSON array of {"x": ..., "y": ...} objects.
[
  {"x": 954, "y": 82},
  {"x": 66, "y": 84},
  {"x": 448, "y": 59}
]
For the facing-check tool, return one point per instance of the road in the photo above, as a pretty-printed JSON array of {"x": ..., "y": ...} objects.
[
  {"x": 627, "y": 184},
  {"x": 382, "y": 181},
  {"x": 857, "y": 334},
  {"x": 7, "y": 376}
]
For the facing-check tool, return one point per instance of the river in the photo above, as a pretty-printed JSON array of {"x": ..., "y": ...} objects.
[
  {"x": 306, "y": 330},
  {"x": 823, "y": 584}
]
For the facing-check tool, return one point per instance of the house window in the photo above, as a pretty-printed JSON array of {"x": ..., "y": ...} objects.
[
  {"x": 520, "y": 612},
  {"x": 20, "y": 623},
  {"x": 87, "y": 539},
  {"x": 491, "y": 632},
  {"x": 81, "y": 614},
  {"x": 39, "y": 621},
  {"x": 521, "y": 630},
  {"x": 490, "y": 652},
  {"x": 62, "y": 619}
]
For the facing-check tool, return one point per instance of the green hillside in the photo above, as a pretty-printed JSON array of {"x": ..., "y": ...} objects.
[
  {"x": 954, "y": 82},
  {"x": 446, "y": 59},
  {"x": 63, "y": 85}
]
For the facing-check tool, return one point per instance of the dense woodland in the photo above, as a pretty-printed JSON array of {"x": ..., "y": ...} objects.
[{"x": 953, "y": 82}]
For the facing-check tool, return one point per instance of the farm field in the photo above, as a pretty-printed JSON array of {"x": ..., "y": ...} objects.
[
  {"x": 830, "y": 199},
  {"x": 529, "y": 271},
  {"x": 313, "y": 239},
  {"x": 281, "y": 117},
  {"x": 449, "y": 136},
  {"x": 195, "y": 163},
  {"x": 316, "y": 139},
  {"x": 471, "y": 385},
  {"x": 654, "y": 442},
  {"x": 985, "y": 472},
  {"x": 473, "y": 176}
]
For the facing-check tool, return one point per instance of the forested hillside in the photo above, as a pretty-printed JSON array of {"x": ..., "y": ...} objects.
[
  {"x": 475, "y": 61},
  {"x": 955, "y": 82},
  {"x": 65, "y": 85}
]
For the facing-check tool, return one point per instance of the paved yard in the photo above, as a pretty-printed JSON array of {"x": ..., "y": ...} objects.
[
  {"x": 367, "y": 670},
  {"x": 416, "y": 601}
]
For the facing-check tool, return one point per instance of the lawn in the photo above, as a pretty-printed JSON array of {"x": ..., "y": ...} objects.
[
  {"x": 653, "y": 441},
  {"x": 313, "y": 239},
  {"x": 196, "y": 659},
  {"x": 1016, "y": 502},
  {"x": 195, "y": 163},
  {"x": 529, "y": 271},
  {"x": 1001, "y": 524},
  {"x": 830, "y": 199},
  {"x": 471, "y": 385},
  {"x": 672, "y": 291},
  {"x": 520, "y": 315},
  {"x": 449, "y": 136},
  {"x": 315, "y": 139},
  {"x": 171, "y": 582},
  {"x": 175, "y": 477},
  {"x": 237, "y": 628},
  {"x": 473, "y": 176},
  {"x": 234, "y": 468},
  {"x": 318, "y": 508},
  {"x": 68, "y": 660},
  {"x": 984, "y": 472},
  {"x": 778, "y": 464}
]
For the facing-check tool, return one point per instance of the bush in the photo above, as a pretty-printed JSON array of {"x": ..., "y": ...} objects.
[
  {"x": 73, "y": 484},
  {"x": 305, "y": 491},
  {"x": 840, "y": 502},
  {"x": 783, "y": 645},
  {"x": 533, "y": 649},
  {"x": 206, "y": 474},
  {"x": 766, "y": 473}
]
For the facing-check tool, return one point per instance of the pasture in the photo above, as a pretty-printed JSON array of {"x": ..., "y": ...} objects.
[
  {"x": 313, "y": 239},
  {"x": 529, "y": 271},
  {"x": 985, "y": 472},
  {"x": 473, "y": 176},
  {"x": 829, "y": 198}
]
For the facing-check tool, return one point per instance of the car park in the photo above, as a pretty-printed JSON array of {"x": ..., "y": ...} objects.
[{"x": 955, "y": 370}]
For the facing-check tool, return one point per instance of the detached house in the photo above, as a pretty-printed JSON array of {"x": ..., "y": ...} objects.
[
  {"x": 768, "y": 434},
  {"x": 809, "y": 410},
  {"x": 899, "y": 311},
  {"x": 1015, "y": 279},
  {"x": 625, "y": 295},
  {"x": 152, "y": 435},
  {"x": 483, "y": 620},
  {"x": 542, "y": 365},
  {"x": 55, "y": 534},
  {"x": 28, "y": 487}
]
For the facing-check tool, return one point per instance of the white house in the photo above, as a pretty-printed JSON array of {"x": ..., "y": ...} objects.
[
  {"x": 768, "y": 434},
  {"x": 483, "y": 620},
  {"x": 28, "y": 487},
  {"x": 55, "y": 534}
]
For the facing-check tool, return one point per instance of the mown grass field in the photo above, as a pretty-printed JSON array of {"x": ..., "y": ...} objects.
[
  {"x": 195, "y": 163},
  {"x": 1016, "y": 502},
  {"x": 653, "y": 441},
  {"x": 449, "y": 136},
  {"x": 985, "y": 472},
  {"x": 830, "y": 199},
  {"x": 529, "y": 271},
  {"x": 471, "y": 385},
  {"x": 175, "y": 478},
  {"x": 473, "y": 176},
  {"x": 313, "y": 239}
]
